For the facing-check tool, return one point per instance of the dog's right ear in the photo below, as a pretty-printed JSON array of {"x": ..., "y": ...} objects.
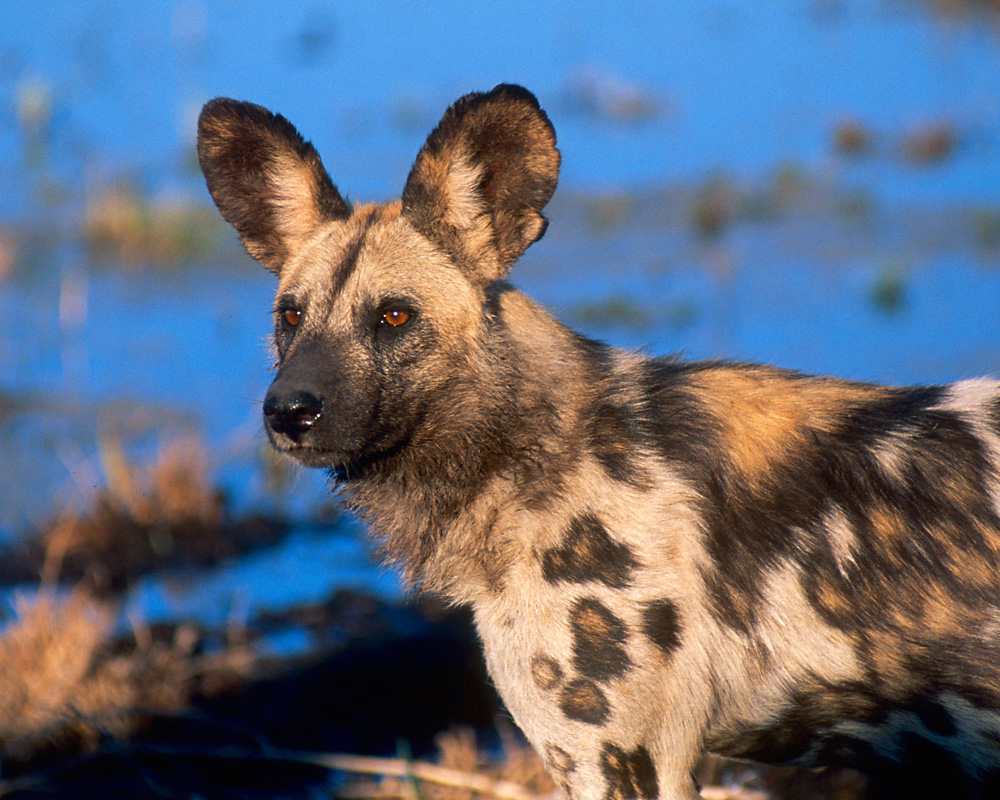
[{"x": 266, "y": 180}]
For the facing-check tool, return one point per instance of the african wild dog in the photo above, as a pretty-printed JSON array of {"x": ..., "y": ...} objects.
[{"x": 662, "y": 557}]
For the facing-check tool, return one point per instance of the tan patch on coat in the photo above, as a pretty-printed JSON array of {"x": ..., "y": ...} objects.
[
  {"x": 888, "y": 525},
  {"x": 941, "y": 615},
  {"x": 833, "y": 603},
  {"x": 842, "y": 539},
  {"x": 561, "y": 765},
  {"x": 888, "y": 658},
  {"x": 765, "y": 415},
  {"x": 461, "y": 194}
]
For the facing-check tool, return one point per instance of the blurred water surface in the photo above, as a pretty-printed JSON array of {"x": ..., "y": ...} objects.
[{"x": 875, "y": 257}]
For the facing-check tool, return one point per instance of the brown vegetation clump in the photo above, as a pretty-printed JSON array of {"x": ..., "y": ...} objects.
[
  {"x": 851, "y": 137},
  {"x": 141, "y": 518},
  {"x": 714, "y": 207},
  {"x": 8, "y": 254},
  {"x": 63, "y": 689},
  {"x": 146, "y": 516},
  {"x": 120, "y": 223},
  {"x": 930, "y": 143}
]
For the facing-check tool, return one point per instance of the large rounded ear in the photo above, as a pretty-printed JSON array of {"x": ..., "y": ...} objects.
[
  {"x": 266, "y": 180},
  {"x": 480, "y": 181}
]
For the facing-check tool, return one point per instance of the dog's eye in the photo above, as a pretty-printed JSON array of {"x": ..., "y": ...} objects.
[
  {"x": 396, "y": 317},
  {"x": 292, "y": 316}
]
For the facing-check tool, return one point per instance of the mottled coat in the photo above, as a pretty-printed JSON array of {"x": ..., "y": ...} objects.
[{"x": 662, "y": 557}]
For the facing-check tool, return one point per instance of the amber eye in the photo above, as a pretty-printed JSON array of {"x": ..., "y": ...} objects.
[
  {"x": 396, "y": 317},
  {"x": 292, "y": 316}
]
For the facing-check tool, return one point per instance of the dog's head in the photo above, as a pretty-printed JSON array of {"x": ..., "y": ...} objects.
[{"x": 381, "y": 310}]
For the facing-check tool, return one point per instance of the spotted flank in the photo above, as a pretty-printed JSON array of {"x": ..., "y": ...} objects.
[{"x": 663, "y": 558}]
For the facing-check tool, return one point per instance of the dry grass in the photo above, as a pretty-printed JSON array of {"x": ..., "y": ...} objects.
[
  {"x": 66, "y": 687},
  {"x": 143, "y": 517},
  {"x": 176, "y": 489}
]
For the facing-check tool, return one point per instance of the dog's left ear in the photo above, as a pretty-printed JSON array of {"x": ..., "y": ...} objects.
[{"x": 480, "y": 181}]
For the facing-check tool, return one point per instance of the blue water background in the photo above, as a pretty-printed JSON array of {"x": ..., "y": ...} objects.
[{"x": 736, "y": 88}]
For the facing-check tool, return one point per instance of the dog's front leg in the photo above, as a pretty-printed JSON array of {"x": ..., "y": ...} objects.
[{"x": 601, "y": 736}]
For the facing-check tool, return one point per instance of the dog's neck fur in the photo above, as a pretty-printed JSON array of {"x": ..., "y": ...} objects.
[{"x": 438, "y": 508}]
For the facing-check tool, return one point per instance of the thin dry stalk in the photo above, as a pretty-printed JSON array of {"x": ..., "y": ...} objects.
[
  {"x": 423, "y": 771},
  {"x": 733, "y": 793},
  {"x": 462, "y": 774}
]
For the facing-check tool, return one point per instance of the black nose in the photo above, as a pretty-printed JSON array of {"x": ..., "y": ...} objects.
[{"x": 292, "y": 412}]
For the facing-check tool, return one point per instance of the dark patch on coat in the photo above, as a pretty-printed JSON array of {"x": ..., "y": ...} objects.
[
  {"x": 611, "y": 422},
  {"x": 925, "y": 550},
  {"x": 927, "y": 529},
  {"x": 935, "y": 717},
  {"x": 492, "y": 303},
  {"x": 644, "y": 773},
  {"x": 598, "y": 641},
  {"x": 583, "y": 700},
  {"x": 994, "y": 414},
  {"x": 808, "y": 717},
  {"x": 614, "y": 434},
  {"x": 810, "y": 726},
  {"x": 546, "y": 672},
  {"x": 349, "y": 263},
  {"x": 629, "y": 775},
  {"x": 662, "y": 624},
  {"x": 588, "y": 553}
]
